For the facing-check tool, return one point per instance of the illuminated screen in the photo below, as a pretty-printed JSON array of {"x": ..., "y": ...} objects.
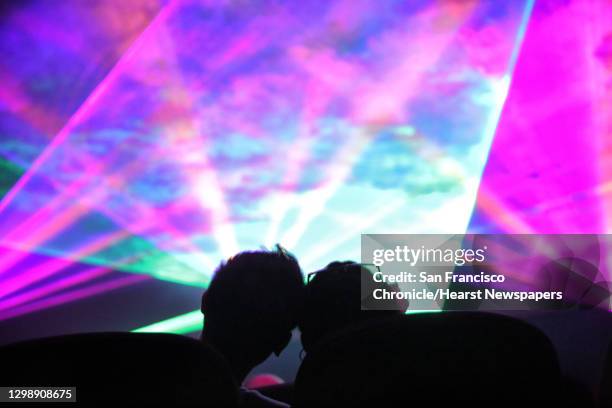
[{"x": 158, "y": 138}]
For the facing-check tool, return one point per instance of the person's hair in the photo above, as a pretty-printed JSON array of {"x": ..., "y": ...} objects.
[
  {"x": 252, "y": 304},
  {"x": 333, "y": 302}
]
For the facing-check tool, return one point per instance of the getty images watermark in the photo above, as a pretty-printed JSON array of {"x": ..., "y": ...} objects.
[{"x": 485, "y": 272}]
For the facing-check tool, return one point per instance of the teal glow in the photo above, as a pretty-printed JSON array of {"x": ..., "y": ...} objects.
[{"x": 182, "y": 324}]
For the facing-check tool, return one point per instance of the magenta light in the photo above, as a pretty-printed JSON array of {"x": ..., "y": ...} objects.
[{"x": 73, "y": 296}]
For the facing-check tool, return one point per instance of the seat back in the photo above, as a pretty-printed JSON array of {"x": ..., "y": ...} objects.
[
  {"x": 478, "y": 359},
  {"x": 605, "y": 390},
  {"x": 142, "y": 368}
]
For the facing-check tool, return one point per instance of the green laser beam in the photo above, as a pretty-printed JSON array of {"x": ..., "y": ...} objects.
[{"x": 182, "y": 324}]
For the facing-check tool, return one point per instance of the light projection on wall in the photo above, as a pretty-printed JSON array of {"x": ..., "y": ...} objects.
[{"x": 203, "y": 128}]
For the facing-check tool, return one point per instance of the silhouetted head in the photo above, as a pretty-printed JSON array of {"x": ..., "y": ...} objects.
[
  {"x": 334, "y": 302},
  {"x": 251, "y": 307}
]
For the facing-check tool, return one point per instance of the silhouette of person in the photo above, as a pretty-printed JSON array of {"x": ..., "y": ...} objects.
[
  {"x": 334, "y": 301},
  {"x": 250, "y": 309}
]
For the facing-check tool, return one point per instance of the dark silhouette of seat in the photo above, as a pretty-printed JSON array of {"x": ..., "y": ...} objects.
[
  {"x": 476, "y": 359},
  {"x": 605, "y": 389},
  {"x": 574, "y": 393},
  {"x": 279, "y": 392},
  {"x": 141, "y": 368}
]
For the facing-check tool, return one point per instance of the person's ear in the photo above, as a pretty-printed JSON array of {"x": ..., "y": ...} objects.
[{"x": 282, "y": 344}]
